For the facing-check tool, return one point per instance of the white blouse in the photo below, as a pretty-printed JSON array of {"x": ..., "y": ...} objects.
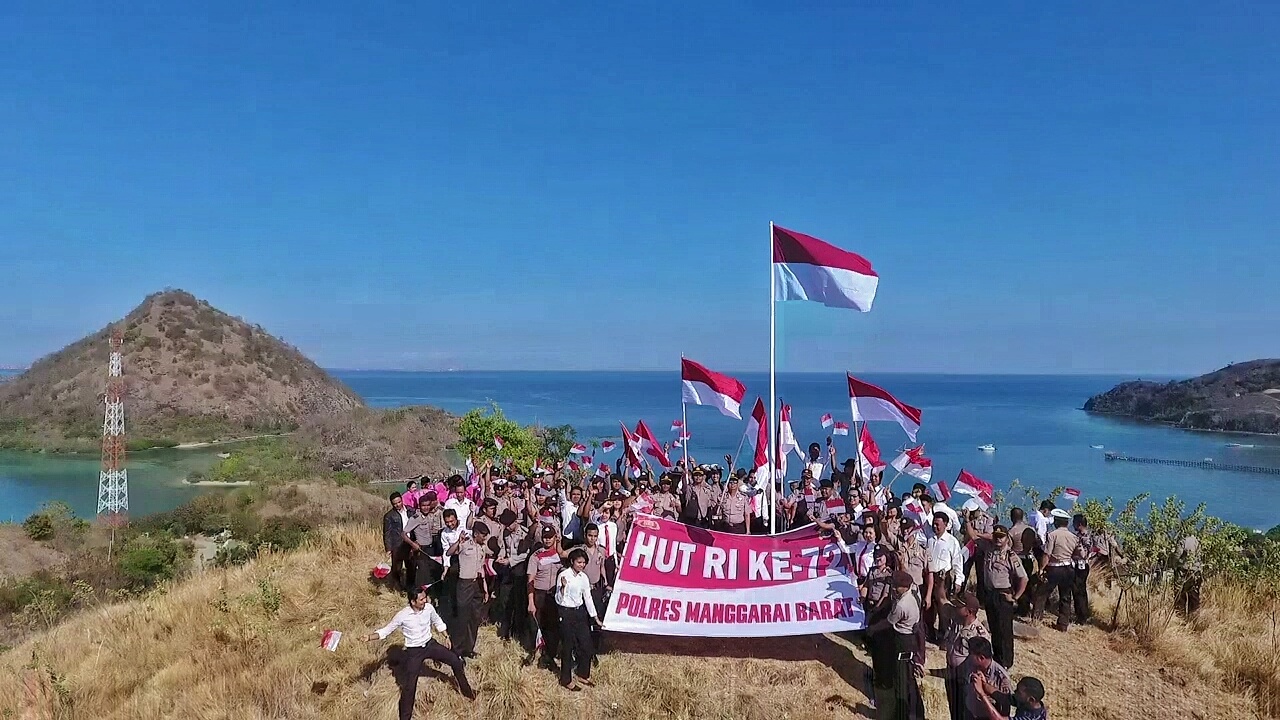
[{"x": 573, "y": 590}]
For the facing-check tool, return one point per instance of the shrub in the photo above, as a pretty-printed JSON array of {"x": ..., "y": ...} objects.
[{"x": 38, "y": 527}]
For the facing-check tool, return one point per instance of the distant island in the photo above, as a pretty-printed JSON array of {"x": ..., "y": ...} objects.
[
  {"x": 1243, "y": 397},
  {"x": 195, "y": 375}
]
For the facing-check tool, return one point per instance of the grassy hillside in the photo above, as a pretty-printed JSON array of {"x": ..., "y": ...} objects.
[
  {"x": 192, "y": 372},
  {"x": 243, "y": 643}
]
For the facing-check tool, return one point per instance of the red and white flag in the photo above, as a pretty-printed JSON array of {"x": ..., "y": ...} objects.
[
  {"x": 913, "y": 462},
  {"x": 588, "y": 460},
  {"x": 827, "y": 420},
  {"x": 786, "y": 439},
  {"x": 681, "y": 440},
  {"x": 806, "y": 268},
  {"x": 870, "y": 451},
  {"x": 643, "y": 503},
  {"x": 497, "y": 442},
  {"x": 650, "y": 445},
  {"x": 914, "y": 508},
  {"x": 632, "y": 450},
  {"x": 573, "y": 466},
  {"x": 578, "y": 449},
  {"x": 607, "y": 446},
  {"x": 330, "y": 639},
  {"x": 872, "y": 403},
  {"x": 602, "y": 471},
  {"x": 700, "y": 386},
  {"x": 842, "y": 428},
  {"x": 758, "y": 431},
  {"x": 1071, "y": 494},
  {"x": 941, "y": 492},
  {"x": 677, "y": 426},
  {"x": 836, "y": 505},
  {"x": 489, "y": 569},
  {"x": 969, "y": 484}
]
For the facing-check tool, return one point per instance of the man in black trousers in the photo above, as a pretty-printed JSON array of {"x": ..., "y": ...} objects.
[
  {"x": 416, "y": 622},
  {"x": 393, "y": 524}
]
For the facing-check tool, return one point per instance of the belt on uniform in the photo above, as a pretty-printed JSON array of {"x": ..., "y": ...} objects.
[{"x": 1066, "y": 564}]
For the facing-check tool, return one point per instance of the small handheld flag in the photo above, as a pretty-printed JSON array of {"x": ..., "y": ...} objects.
[
  {"x": 677, "y": 426},
  {"x": 578, "y": 450},
  {"x": 497, "y": 442},
  {"x": 827, "y": 420},
  {"x": 329, "y": 641},
  {"x": 607, "y": 446},
  {"x": 381, "y": 570},
  {"x": 1071, "y": 494},
  {"x": 841, "y": 429}
]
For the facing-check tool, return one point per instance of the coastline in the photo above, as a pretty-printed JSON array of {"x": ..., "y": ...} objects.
[
  {"x": 1172, "y": 426},
  {"x": 215, "y": 483}
]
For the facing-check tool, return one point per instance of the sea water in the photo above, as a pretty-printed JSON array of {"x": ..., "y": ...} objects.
[{"x": 1042, "y": 438}]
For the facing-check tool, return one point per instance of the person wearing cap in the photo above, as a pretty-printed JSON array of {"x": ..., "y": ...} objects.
[
  {"x": 977, "y": 530},
  {"x": 894, "y": 667},
  {"x": 489, "y": 516},
  {"x": 501, "y": 493},
  {"x": 942, "y": 577},
  {"x": 544, "y": 566},
  {"x": 422, "y": 535},
  {"x": 912, "y": 557},
  {"x": 416, "y": 622},
  {"x": 877, "y": 585},
  {"x": 1003, "y": 582},
  {"x": 1082, "y": 559},
  {"x": 984, "y": 676},
  {"x": 471, "y": 550},
  {"x": 512, "y": 565},
  {"x": 665, "y": 502},
  {"x": 957, "y": 643},
  {"x": 735, "y": 509},
  {"x": 1057, "y": 569},
  {"x": 1027, "y": 702},
  {"x": 698, "y": 498},
  {"x": 819, "y": 512}
]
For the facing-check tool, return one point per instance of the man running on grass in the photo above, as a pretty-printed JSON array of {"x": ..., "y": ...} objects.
[{"x": 416, "y": 622}]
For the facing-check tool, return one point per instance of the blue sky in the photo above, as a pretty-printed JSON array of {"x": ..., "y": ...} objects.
[{"x": 1043, "y": 187}]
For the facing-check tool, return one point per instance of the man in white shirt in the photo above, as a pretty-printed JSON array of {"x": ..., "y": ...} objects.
[
  {"x": 944, "y": 574},
  {"x": 932, "y": 507},
  {"x": 461, "y": 504},
  {"x": 1042, "y": 521},
  {"x": 416, "y": 622}
]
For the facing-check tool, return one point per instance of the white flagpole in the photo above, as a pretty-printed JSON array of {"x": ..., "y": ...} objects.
[{"x": 773, "y": 390}]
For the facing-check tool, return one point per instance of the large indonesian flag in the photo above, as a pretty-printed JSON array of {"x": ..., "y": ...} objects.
[
  {"x": 872, "y": 403},
  {"x": 913, "y": 462},
  {"x": 969, "y": 484},
  {"x": 650, "y": 445},
  {"x": 700, "y": 386},
  {"x": 758, "y": 431},
  {"x": 806, "y": 268}
]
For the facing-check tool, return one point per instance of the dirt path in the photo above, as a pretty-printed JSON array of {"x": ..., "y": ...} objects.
[{"x": 212, "y": 443}]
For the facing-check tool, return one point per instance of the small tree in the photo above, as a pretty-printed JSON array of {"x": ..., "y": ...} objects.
[{"x": 479, "y": 427}]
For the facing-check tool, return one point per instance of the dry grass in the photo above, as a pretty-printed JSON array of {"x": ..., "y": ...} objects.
[
  {"x": 1231, "y": 642},
  {"x": 243, "y": 644}
]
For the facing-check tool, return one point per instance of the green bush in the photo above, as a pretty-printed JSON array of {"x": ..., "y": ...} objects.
[
  {"x": 149, "y": 559},
  {"x": 38, "y": 526},
  {"x": 232, "y": 554}
]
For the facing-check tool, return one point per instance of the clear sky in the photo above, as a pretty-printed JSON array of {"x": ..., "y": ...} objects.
[{"x": 1043, "y": 187}]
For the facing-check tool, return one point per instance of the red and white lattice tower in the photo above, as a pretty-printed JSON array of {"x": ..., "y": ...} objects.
[{"x": 113, "y": 482}]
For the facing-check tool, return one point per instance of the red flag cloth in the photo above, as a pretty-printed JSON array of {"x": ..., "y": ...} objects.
[
  {"x": 842, "y": 428},
  {"x": 827, "y": 420},
  {"x": 806, "y": 268},
  {"x": 869, "y": 402},
  {"x": 607, "y": 446},
  {"x": 941, "y": 492},
  {"x": 970, "y": 484},
  {"x": 700, "y": 386},
  {"x": 758, "y": 426},
  {"x": 913, "y": 462},
  {"x": 870, "y": 451},
  {"x": 649, "y": 443}
]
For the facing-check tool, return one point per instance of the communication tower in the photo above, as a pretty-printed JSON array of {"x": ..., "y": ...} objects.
[{"x": 113, "y": 481}]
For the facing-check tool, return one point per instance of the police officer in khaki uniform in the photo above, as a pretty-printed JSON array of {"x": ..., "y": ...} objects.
[
  {"x": 512, "y": 564},
  {"x": 1058, "y": 569},
  {"x": 470, "y": 552},
  {"x": 735, "y": 509},
  {"x": 1004, "y": 582},
  {"x": 959, "y": 635},
  {"x": 665, "y": 503},
  {"x": 599, "y": 580},
  {"x": 544, "y": 565},
  {"x": 489, "y": 516}
]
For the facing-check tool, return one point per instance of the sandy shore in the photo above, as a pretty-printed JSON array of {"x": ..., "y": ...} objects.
[
  {"x": 215, "y": 483},
  {"x": 197, "y": 445}
]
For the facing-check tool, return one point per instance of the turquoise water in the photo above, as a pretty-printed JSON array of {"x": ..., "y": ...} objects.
[{"x": 1041, "y": 436}]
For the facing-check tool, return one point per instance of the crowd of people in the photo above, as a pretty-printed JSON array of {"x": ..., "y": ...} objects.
[{"x": 537, "y": 557}]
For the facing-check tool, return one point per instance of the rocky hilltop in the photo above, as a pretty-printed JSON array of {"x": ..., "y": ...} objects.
[
  {"x": 192, "y": 372},
  {"x": 1244, "y": 397}
]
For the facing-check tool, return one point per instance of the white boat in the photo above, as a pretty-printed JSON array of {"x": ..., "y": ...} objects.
[
  {"x": 987, "y": 448},
  {"x": 1096, "y": 447}
]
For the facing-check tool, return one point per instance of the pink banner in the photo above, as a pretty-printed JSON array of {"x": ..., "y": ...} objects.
[{"x": 681, "y": 580}]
